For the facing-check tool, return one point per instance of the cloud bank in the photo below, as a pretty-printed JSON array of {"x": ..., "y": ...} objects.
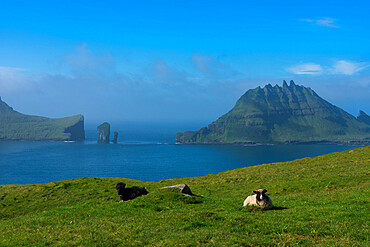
[
  {"x": 348, "y": 67},
  {"x": 14, "y": 80},
  {"x": 159, "y": 91},
  {"x": 91, "y": 84},
  {"x": 325, "y": 22}
]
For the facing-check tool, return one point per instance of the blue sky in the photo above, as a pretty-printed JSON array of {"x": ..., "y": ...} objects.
[{"x": 176, "y": 61}]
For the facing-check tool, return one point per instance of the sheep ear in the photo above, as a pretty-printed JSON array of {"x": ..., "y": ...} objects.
[
  {"x": 255, "y": 191},
  {"x": 264, "y": 191}
]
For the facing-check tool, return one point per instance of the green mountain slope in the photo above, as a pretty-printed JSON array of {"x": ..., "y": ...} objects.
[
  {"x": 18, "y": 126},
  {"x": 286, "y": 114}
]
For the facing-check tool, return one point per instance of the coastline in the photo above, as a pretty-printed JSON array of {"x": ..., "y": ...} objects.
[{"x": 350, "y": 143}]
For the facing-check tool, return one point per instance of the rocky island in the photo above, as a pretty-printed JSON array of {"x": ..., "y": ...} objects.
[
  {"x": 103, "y": 132},
  {"x": 18, "y": 126},
  {"x": 287, "y": 114},
  {"x": 115, "y": 137}
]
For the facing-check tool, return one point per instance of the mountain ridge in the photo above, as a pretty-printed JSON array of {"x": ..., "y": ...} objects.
[
  {"x": 17, "y": 126},
  {"x": 287, "y": 114}
]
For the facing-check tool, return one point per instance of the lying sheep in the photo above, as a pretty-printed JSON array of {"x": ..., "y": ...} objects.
[
  {"x": 127, "y": 194},
  {"x": 260, "y": 199}
]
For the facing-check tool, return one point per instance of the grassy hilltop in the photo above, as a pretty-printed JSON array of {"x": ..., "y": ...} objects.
[
  {"x": 18, "y": 126},
  {"x": 320, "y": 201}
]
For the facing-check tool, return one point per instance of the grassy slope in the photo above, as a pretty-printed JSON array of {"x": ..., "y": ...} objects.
[
  {"x": 36, "y": 128},
  {"x": 18, "y": 126},
  {"x": 319, "y": 201}
]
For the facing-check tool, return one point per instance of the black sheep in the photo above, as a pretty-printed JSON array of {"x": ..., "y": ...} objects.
[{"x": 127, "y": 194}]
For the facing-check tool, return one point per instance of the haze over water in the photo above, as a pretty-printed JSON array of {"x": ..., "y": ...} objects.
[{"x": 144, "y": 152}]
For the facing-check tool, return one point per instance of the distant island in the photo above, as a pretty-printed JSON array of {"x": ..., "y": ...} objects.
[
  {"x": 18, "y": 126},
  {"x": 287, "y": 114}
]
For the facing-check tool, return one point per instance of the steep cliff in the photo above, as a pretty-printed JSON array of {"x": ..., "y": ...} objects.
[
  {"x": 103, "y": 132},
  {"x": 287, "y": 114}
]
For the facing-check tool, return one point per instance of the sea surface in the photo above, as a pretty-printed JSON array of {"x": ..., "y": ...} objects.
[{"x": 141, "y": 153}]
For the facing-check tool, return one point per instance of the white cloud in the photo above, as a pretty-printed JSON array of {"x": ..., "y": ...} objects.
[
  {"x": 325, "y": 22},
  {"x": 306, "y": 69},
  {"x": 13, "y": 79},
  {"x": 83, "y": 61},
  {"x": 347, "y": 67},
  {"x": 341, "y": 67}
]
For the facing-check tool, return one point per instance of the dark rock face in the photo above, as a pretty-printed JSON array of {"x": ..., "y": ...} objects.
[
  {"x": 184, "y": 189},
  {"x": 115, "y": 137},
  {"x": 77, "y": 130},
  {"x": 103, "y": 132},
  {"x": 287, "y": 114}
]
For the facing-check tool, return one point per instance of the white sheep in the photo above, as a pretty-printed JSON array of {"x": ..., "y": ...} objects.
[{"x": 260, "y": 199}]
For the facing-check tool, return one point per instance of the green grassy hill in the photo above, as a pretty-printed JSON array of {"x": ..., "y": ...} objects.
[
  {"x": 320, "y": 201},
  {"x": 287, "y": 114},
  {"x": 18, "y": 126}
]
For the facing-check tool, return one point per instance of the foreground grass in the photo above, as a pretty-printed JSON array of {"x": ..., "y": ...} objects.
[{"x": 321, "y": 201}]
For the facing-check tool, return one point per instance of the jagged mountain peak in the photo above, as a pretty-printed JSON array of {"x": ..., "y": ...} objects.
[
  {"x": 285, "y": 85},
  {"x": 292, "y": 96},
  {"x": 291, "y": 113}
]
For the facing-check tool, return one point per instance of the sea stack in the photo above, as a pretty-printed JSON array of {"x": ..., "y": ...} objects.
[
  {"x": 115, "y": 137},
  {"x": 103, "y": 132}
]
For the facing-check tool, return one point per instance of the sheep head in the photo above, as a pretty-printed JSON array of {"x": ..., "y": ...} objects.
[
  {"x": 260, "y": 194},
  {"x": 120, "y": 187}
]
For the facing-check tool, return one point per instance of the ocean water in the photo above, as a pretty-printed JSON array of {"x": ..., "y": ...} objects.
[{"x": 140, "y": 154}]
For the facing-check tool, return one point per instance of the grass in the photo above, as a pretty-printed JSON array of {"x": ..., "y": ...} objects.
[{"x": 320, "y": 201}]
